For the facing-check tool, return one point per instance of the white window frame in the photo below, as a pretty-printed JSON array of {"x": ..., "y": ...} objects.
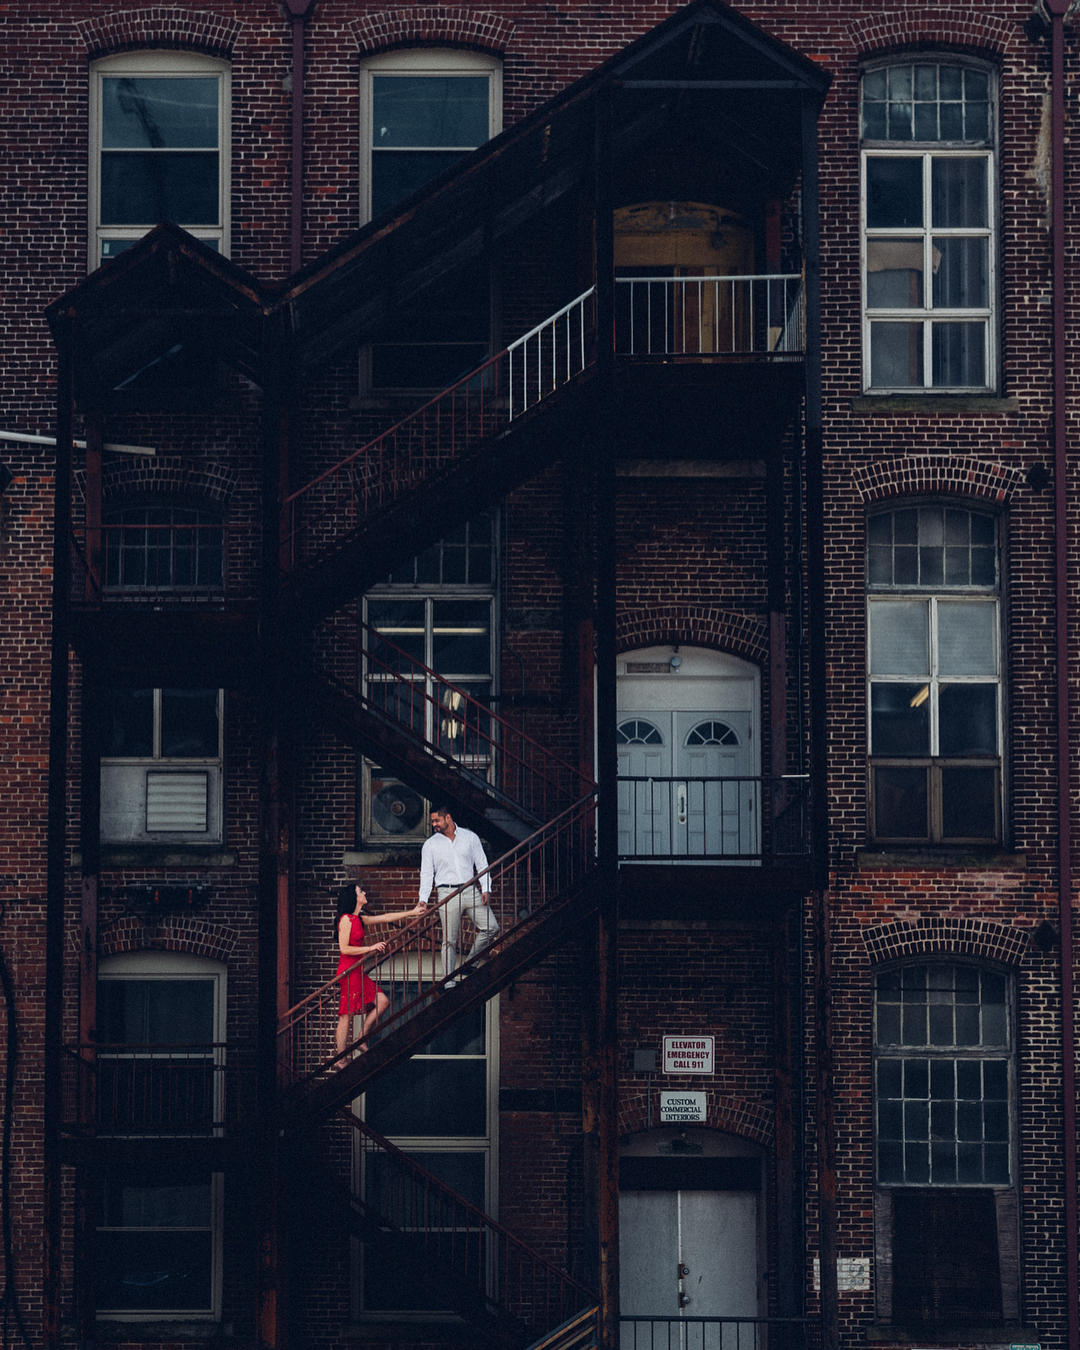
[
  {"x": 934, "y": 596},
  {"x": 168, "y": 65},
  {"x": 125, "y": 785},
  {"x": 452, "y": 61},
  {"x": 159, "y": 965},
  {"x": 926, "y": 315}
]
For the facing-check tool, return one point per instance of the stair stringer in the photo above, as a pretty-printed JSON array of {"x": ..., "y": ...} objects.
[{"x": 405, "y": 526}]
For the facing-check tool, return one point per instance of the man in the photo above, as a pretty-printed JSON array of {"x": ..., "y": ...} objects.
[{"x": 454, "y": 857}]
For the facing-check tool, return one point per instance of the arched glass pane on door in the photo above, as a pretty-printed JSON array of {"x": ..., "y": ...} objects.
[
  {"x": 712, "y": 733},
  {"x": 636, "y": 731}
]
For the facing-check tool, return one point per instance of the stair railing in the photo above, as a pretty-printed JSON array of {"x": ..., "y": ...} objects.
[
  {"x": 437, "y": 434},
  {"x": 456, "y": 727},
  {"x": 460, "y": 1238},
  {"x": 526, "y": 887}
]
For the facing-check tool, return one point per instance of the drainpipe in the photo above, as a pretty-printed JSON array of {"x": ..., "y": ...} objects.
[
  {"x": 1056, "y": 10},
  {"x": 299, "y": 11}
]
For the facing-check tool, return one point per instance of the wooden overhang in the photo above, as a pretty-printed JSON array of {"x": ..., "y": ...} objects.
[{"x": 168, "y": 305}]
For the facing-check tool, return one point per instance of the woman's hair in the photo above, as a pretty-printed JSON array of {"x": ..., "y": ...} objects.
[{"x": 346, "y": 902}]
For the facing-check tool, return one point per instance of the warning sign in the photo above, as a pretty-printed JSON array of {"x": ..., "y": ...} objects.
[
  {"x": 688, "y": 1054},
  {"x": 681, "y": 1106}
]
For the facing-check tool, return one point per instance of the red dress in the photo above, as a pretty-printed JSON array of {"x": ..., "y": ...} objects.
[{"x": 358, "y": 991}]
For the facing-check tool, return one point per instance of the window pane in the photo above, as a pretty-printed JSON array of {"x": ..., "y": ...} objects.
[
  {"x": 462, "y": 644},
  {"x": 961, "y": 278},
  {"x": 155, "y": 1271},
  {"x": 967, "y": 638},
  {"x": 899, "y": 719},
  {"x": 896, "y": 355},
  {"x": 894, "y": 193},
  {"x": 142, "y": 187},
  {"x": 189, "y": 724},
  {"x": 894, "y": 273},
  {"x": 430, "y": 110},
  {"x": 899, "y": 637},
  {"x": 128, "y": 724},
  {"x": 900, "y": 803},
  {"x": 959, "y": 355},
  {"x": 133, "y": 1199},
  {"x": 967, "y": 719},
  {"x": 156, "y": 1012},
  {"x": 432, "y": 1097},
  {"x": 959, "y": 192},
  {"x": 156, "y": 112}
]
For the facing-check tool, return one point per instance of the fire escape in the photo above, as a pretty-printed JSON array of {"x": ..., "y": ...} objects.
[{"x": 331, "y": 535}]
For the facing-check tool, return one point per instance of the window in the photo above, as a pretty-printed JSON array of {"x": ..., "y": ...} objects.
[
  {"x": 163, "y": 548},
  {"x": 935, "y": 694},
  {"x": 944, "y": 1085},
  {"x": 159, "y": 149},
  {"x": 420, "y": 111},
  {"x": 161, "y": 766},
  {"x": 928, "y": 237},
  {"x": 439, "y": 1107},
  {"x": 434, "y": 615},
  {"x": 161, "y": 1022}
]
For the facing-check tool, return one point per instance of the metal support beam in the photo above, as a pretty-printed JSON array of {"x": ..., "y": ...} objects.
[{"x": 52, "y": 1243}]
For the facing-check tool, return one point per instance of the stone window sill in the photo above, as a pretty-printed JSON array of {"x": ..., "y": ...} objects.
[
  {"x": 933, "y": 859},
  {"x": 984, "y": 405}
]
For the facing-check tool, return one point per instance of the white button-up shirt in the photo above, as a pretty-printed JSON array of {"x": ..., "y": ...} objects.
[{"x": 451, "y": 862}]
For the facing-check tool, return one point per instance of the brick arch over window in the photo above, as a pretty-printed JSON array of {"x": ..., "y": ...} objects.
[
  {"x": 744, "y": 1119},
  {"x": 159, "y": 26},
  {"x": 962, "y": 27},
  {"x": 436, "y": 25},
  {"x": 978, "y": 938},
  {"x": 694, "y": 626},
  {"x": 171, "y": 476},
  {"x": 924, "y": 475},
  {"x": 172, "y": 933}
]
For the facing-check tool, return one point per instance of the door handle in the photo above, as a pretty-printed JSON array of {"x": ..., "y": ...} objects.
[
  {"x": 684, "y": 1299},
  {"x": 680, "y": 802}
]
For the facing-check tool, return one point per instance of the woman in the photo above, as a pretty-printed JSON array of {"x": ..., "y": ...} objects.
[{"x": 359, "y": 993}]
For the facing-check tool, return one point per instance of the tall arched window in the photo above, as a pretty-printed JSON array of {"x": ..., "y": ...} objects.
[
  {"x": 935, "y": 675},
  {"x": 944, "y": 1087},
  {"x": 928, "y": 198},
  {"x": 159, "y": 148}
]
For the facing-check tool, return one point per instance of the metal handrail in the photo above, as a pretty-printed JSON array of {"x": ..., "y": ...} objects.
[
  {"x": 744, "y": 315},
  {"x": 457, "y": 1235},
  {"x": 711, "y": 818},
  {"x": 456, "y": 727},
  {"x": 576, "y": 1333},
  {"x": 440, "y": 431},
  {"x": 525, "y": 886}
]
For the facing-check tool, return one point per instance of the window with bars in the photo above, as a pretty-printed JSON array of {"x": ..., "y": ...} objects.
[
  {"x": 944, "y": 1141},
  {"x": 935, "y": 692},
  {"x": 928, "y": 199}
]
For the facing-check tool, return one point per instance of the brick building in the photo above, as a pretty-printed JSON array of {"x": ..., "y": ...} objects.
[{"x": 641, "y": 431}]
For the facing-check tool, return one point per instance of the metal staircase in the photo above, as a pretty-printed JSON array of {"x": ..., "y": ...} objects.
[
  {"x": 434, "y": 1239},
  {"x": 459, "y": 452}
]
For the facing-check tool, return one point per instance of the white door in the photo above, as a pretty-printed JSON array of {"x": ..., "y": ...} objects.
[
  {"x": 688, "y": 756},
  {"x": 686, "y": 1257},
  {"x": 716, "y": 797}
]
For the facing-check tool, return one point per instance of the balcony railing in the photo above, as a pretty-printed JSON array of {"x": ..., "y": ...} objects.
[
  {"x": 734, "y": 820},
  {"x": 719, "y": 1333},
  {"x": 701, "y": 316},
  {"x": 144, "y": 1089}
]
